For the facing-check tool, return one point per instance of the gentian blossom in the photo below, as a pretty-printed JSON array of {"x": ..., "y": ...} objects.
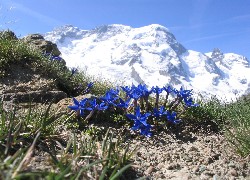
[
  {"x": 140, "y": 121},
  {"x": 73, "y": 71},
  {"x": 80, "y": 106},
  {"x": 171, "y": 117},
  {"x": 159, "y": 113},
  {"x": 55, "y": 58},
  {"x": 157, "y": 90},
  {"x": 89, "y": 86},
  {"x": 186, "y": 96},
  {"x": 110, "y": 98},
  {"x": 144, "y": 90},
  {"x": 135, "y": 93},
  {"x": 168, "y": 89},
  {"x": 124, "y": 104}
]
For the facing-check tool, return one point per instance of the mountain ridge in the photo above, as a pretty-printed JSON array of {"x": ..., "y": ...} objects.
[{"x": 151, "y": 55}]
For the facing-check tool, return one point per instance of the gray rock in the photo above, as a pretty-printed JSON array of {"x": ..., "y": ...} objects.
[
  {"x": 149, "y": 170},
  {"x": 38, "y": 42},
  {"x": 233, "y": 172}
]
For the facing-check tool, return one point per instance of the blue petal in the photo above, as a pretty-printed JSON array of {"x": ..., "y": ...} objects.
[
  {"x": 73, "y": 107},
  {"x": 89, "y": 109},
  {"x": 90, "y": 85},
  {"x": 75, "y": 101},
  {"x": 146, "y": 115},
  {"x": 134, "y": 128},
  {"x": 144, "y": 122}
]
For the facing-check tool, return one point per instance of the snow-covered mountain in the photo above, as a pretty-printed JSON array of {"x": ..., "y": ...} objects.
[{"x": 153, "y": 56}]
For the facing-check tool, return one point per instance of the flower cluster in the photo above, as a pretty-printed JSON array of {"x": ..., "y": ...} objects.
[
  {"x": 137, "y": 107},
  {"x": 52, "y": 57}
]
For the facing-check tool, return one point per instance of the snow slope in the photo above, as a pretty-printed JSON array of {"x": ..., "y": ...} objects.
[{"x": 153, "y": 56}]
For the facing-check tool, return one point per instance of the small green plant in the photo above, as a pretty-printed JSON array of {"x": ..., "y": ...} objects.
[
  {"x": 208, "y": 110},
  {"x": 238, "y": 129}
]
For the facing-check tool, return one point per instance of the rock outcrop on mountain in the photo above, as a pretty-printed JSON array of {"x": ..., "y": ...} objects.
[
  {"x": 153, "y": 56},
  {"x": 38, "y": 41},
  {"x": 22, "y": 83}
]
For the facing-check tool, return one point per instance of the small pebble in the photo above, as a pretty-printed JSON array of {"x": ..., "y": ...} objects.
[
  {"x": 202, "y": 168},
  {"x": 173, "y": 166},
  {"x": 208, "y": 173},
  {"x": 204, "y": 177},
  {"x": 196, "y": 169},
  {"x": 149, "y": 170},
  {"x": 160, "y": 165},
  {"x": 233, "y": 172},
  {"x": 209, "y": 160},
  {"x": 231, "y": 164}
]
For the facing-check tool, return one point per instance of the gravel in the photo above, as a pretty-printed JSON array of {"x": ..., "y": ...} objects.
[{"x": 201, "y": 156}]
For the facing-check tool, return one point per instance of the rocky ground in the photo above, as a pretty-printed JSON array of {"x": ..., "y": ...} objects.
[
  {"x": 200, "y": 156},
  {"x": 177, "y": 154}
]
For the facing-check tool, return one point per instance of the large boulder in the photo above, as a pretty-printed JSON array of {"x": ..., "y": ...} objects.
[{"x": 38, "y": 41}]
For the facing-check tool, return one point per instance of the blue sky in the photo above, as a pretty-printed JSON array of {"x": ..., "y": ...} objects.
[{"x": 199, "y": 25}]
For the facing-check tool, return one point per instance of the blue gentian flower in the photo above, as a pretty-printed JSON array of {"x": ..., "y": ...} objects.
[
  {"x": 73, "y": 71},
  {"x": 126, "y": 89},
  {"x": 145, "y": 130},
  {"x": 114, "y": 92},
  {"x": 102, "y": 107},
  {"x": 140, "y": 121},
  {"x": 189, "y": 102},
  {"x": 144, "y": 90},
  {"x": 80, "y": 106},
  {"x": 157, "y": 90},
  {"x": 159, "y": 113},
  {"x": 93, "y": 104},
  {"x": 124, "y": 104},
  {"x": 55, "y": 58},
  {"x": 89, "y": 86},
  {"x": 171, "y": 117},
  {"x": 109, "y": 98},
  {"x": 168, "y": 89},
  {"x": 183, "y": 93},
  {"x": 135, "y": 93}
]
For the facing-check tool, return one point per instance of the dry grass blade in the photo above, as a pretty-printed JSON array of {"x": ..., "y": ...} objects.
[{"x": 27, "y": 156}]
